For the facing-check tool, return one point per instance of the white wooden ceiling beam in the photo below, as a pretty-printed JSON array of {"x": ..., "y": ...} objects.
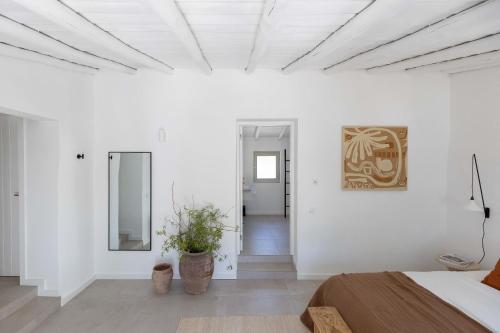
[
  {"x": 170, "y": 13},
  {"x": 360, "y": 21},
  {"x": 269, "y": 20},
  {"x": 415, "y": 34},
  {"x": 17, "y": 52},
  {"x": 282, "y": 133},
  {"x": 257, "y": 132},
  {"x": 485, "y": 58},
  {"x": 63, "y": 15},
  {"x": 484, "y": 44},
  {"x": 42, "y": 41}
]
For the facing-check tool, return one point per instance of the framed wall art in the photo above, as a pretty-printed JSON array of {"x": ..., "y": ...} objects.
[{"x": 375, "y": 157}]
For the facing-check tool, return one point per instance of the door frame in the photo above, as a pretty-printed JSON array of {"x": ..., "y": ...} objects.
[
  {"x": 292, "y": 124},
  {"x": 24, "y": 278}
]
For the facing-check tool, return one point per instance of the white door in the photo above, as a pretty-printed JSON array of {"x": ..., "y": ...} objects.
[{"x": 9, "y": 196}]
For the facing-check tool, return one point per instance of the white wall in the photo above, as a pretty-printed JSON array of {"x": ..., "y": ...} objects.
[
  {"x": 264, "y": 198},
  {"x": 345, "y": 231},
  {"x": 41, "y": 198},
  {"x": 43, "y": 92},
  {"x": 474, "y": 128}
]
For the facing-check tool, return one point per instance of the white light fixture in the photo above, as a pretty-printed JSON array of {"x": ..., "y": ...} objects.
[
  {"x": 473, "y": 206},
  {"x": 162, "y": 135}
]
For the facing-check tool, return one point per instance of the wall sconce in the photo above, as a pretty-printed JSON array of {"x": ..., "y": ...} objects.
[
  {"x": 472, "y": 205},
  {"x": 80, "y": 156},
  {"x": 162, "y": 135}
]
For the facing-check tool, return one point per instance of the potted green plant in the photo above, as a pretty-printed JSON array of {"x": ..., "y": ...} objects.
[{"x": 197, "y": 239}]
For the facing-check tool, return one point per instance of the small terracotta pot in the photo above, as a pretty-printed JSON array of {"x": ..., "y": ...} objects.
[
  {"x": 162, "y": 278},
  {"x": 196, "y": 271}
]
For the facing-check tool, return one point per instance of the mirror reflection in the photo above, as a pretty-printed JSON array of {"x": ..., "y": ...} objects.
[{"x": 129, "y": 201}]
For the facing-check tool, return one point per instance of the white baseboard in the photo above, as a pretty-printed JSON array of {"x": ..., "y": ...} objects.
[
  {"x": 123, "y": 276},
  {"x": 69, "y": 296},
  {"x": 41, "y": 288},
  {"x": 48, "y": 293},
  {"x": 32, "y": 282},
  {"x": 225, "y": 276},
  {"x": 147, "y": 276}
]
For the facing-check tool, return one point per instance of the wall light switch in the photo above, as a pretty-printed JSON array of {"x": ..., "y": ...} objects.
[{"x": 310, "y": 210}]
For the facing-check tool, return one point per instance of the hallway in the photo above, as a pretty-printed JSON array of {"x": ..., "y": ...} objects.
[{"x": 266, "y": 235}]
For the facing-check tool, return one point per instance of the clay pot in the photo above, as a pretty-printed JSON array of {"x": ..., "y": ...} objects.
[
  {"x": 162, "y": 277},
  {"x": 196, "y": 271}
]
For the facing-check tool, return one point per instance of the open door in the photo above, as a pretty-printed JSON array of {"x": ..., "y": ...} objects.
[{"x": 9, "y": 196}]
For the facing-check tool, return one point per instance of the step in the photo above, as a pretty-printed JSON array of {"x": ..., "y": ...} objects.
[
  {"x": 266, "y": 270},
  {"x": 8, "y": 281},
  {"x": 28, "y": 317},
  {"x": 123, "y": 238},
  {"x": 266, "y": 267},
  {"x": 250, "y": 275},
  {"x": 262, "y": 258},
  {"x": 13, "y": 298}
]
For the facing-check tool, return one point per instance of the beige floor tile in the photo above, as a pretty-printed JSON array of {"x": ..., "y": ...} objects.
[
  {"x": 130, "y": 306},
  {"x": 255, "y": 305},
  {"x": 266, "y": 235}
]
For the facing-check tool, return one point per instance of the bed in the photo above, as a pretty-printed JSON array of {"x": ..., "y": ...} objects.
[{"x": 411, "y": 302}]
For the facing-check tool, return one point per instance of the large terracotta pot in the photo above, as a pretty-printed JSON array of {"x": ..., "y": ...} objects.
[
  {"x": 196, "y": 271},
  {"x": 162, "y": 277}
]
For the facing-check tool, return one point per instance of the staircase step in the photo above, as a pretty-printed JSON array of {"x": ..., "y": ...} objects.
[
  {"x": 249, "y": 275},
  {"x": 266, "y": 270},
  {"x": 8, "y": 281},
  {"x": 123, "y": 238},
  {"x": 28, "y": 317},
  {"x": 261, "y": 258},
  {"x": 266, "y": 267},
  {"x": 13, "y": 298}
]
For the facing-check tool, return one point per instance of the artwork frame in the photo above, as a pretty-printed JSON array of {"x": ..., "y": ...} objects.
[{"x": 374, "y": 158}]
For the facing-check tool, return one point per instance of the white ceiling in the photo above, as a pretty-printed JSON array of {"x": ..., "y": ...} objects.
[
  {"x": 266, "y": 131},
  {"x": 289, "y": 35}
]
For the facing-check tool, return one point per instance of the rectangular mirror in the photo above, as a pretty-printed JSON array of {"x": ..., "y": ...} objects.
[{"x": 129, "y": 202}]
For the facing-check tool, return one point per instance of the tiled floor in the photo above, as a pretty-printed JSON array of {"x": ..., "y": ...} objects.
[
  {"x": 131, "y": 305},
  {"x": 266, "y": 235}
]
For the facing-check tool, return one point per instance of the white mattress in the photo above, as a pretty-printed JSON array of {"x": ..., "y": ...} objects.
[{"x": 465, "y": 291}]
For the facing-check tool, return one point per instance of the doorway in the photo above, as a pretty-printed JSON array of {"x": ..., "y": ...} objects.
[
  {"x": 266, "y": 228},
  {"x": 29, "y": 168},
  {"x": 266, "y": 198},
  {"x": 9, "y": 195}
]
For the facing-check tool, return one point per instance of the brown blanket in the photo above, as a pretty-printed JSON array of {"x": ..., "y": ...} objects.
[{"x": 389, "y": 302}]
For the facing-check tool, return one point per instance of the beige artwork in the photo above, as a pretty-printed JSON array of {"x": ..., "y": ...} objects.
[{"x": 375, "y": 158}]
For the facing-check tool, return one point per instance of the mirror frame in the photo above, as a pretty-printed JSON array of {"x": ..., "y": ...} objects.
[{"x": 150, "y": 199}]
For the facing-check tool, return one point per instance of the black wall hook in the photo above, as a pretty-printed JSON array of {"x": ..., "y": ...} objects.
[{"x": 80, "y": 156}]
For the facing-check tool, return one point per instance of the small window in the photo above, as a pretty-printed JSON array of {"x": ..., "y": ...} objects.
[{"x": 266, "y": 166}]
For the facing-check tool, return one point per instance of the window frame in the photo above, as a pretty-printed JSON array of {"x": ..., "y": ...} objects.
[{"x": 277, "y": 154}]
